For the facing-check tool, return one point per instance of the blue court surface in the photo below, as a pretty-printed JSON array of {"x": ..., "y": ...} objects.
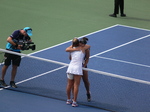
[{"x": 119, "y": 76}]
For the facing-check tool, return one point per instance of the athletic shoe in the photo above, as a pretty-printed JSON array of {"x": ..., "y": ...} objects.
[
  {"x": 69, "y": 102},
  {"x": 74, "y": 104},
  {"x": 113, "y": 15},
  {"x": 123, "y": 15},
  {"x": 2, "y": 82},
  {"x": 12, "y": 84},
  {"x": 88, "y": 97}
]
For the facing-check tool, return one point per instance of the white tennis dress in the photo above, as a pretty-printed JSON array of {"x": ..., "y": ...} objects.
[{"x": 75, "y": 66}]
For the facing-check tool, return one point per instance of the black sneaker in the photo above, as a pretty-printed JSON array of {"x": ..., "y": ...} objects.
[
  {"x": 88, "y": 97},
  {"x": 113, "y": 15},
  {"x": 12, "y": 84},
  {"x": 123, "y": 15},
  {"x": 2, "y": 82}
]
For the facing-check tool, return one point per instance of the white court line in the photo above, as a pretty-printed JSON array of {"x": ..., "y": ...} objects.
[
  {"x": 120, "y": 46},
  {"x": 88, "y": 35},
  {"x": 71, "y": 40},
  {"x": 36, "y": 76},
  {"x": 123, "y": 61},
  {"x": 133, "y": 27}
]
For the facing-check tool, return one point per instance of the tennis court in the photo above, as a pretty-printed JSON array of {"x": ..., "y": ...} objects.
[
  {"x": 118, "y": 49},
  {"x": 121, "y": 52}
]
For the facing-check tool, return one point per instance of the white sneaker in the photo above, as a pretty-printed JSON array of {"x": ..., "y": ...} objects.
[
  {"x": 74, "y": 104},
  {"x": 68, "y": 102}
]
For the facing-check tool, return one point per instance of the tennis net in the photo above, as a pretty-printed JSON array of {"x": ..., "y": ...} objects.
[{"x": 47, "y": 78}]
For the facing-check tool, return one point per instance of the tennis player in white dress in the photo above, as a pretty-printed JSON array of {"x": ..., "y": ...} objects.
[
  {"x": 74, "y": 71},
  {"x": 75, "y": 66}
]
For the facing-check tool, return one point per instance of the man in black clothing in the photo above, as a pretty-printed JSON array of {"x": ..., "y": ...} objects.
[{"x": 118, "y": 4}]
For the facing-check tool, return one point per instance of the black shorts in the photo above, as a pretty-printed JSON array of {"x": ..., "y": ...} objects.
[{"x": 15, "y": 59}]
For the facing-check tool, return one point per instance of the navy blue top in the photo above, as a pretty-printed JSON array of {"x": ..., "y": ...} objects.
[{"x": 16, "y": 37}]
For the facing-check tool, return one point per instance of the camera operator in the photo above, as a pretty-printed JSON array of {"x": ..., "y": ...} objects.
[{"x": 12, "y": 45}]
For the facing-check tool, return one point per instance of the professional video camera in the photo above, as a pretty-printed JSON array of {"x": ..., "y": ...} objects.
[{"x": 26, "y": 45}]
